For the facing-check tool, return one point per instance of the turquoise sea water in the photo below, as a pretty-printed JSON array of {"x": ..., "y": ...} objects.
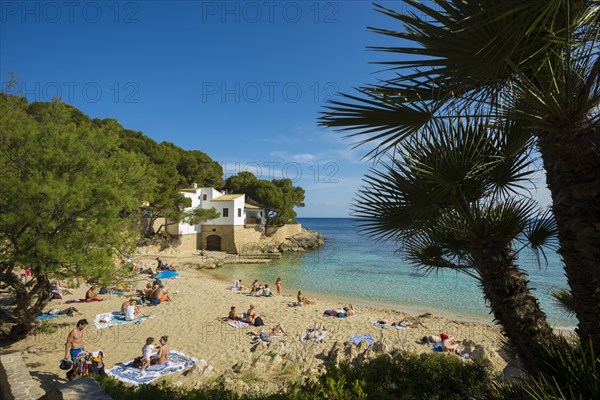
[{"x": 354, "y": 267}]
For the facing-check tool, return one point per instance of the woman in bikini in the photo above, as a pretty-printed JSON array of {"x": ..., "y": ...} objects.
[
  {"x": 251, "y": 315},
  {"x": 303, "y": 299},
  {"x": 163, "y": 352}
]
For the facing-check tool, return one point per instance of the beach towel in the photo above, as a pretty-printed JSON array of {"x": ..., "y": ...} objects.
[
  {"x": 115, "y": 318},
  {"x": 166, "y": 275},
  {"x": 359, "y": 338},
  {"x": 388, "y": 326},
  {"x": 129, "y": 374},
  {"x": 317, "y": 339},
  {"x": 238, "y": 324},
  {"x": 265, "y": 337},
  {"x": 46, "y": 316},
  {"x": 84, "y": 300}
]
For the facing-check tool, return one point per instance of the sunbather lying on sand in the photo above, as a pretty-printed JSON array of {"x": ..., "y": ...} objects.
[
  {"x": 314, "y": 333},
  {"x": 341, "y": 312},
  {"x": 408, "y": 322},
  {"x": 272, "y": 331},
  {"x": 233, "y": 314},
  {"x": 304, "y": 300},
  {"x": 449, "y": 343}
]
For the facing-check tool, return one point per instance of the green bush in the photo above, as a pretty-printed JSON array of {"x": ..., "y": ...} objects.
[
  {"x": 406, "y": 375},
  {"x": 46, "y": 327},
  {"x": 569, "y": 371},
  {"x": 161, "y": 391}
]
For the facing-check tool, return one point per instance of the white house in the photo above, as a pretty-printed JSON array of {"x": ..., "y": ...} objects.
[{"x": 232, "y": 230}]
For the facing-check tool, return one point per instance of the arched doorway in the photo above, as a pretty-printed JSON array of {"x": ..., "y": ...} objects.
[{"x": 213, "y": 242}]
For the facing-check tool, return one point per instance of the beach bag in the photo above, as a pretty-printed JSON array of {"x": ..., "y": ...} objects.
[
  {"x": 66, "y": 365},
  {"x": 97, "y": 366},
  {"x": 258, "y": 321},
  {"x": 138, "y": 362},
  {"x": 265, "y": 337},
  {"x": 103, "y": 290}
]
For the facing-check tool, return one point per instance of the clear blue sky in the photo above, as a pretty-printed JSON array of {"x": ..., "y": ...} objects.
[{"x": 242, "y": 81}]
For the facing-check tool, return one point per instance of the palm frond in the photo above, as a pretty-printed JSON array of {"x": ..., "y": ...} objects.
[{"x": 564, "y": 299}]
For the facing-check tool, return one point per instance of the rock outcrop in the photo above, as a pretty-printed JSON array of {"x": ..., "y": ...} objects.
[{"x": 306, "y": 240}]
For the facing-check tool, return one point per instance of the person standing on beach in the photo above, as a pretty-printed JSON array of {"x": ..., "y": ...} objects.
[
  {"x": 278, "y": 283},
  {"x": 74, "y": 345}
]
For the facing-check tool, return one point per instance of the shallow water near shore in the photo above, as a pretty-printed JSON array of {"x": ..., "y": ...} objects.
[{"x": 355, "y": 268}]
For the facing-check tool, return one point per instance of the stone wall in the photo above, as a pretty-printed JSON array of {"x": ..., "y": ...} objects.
[
  {"x": 248, "y": 240},
  {"x": 15, "y": 381},
  {"x": 79, "y": 389},
  {"x": 225, "y": 232},
  {"x": 188, "y": 242},
  {"x": 242, "y": 240},
  {"x": 284, "y": 232}
]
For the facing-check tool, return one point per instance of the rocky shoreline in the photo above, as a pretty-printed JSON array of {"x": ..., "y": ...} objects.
[{"x": 266, "y": 250}]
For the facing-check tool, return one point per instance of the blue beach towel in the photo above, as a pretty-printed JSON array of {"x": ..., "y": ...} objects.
[
  {"x": 359, "y": 338},
  {"x": 107, "y": 320},
  {"x": 46, "y": 316},
  {"x": 166, "y": 275},
  {"x": 129, "y": 374}
]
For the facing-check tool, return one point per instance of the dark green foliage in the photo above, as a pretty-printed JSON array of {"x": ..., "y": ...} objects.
[
  {"x": 278, "y": 197},
  {"x": 68, "y": 195},
  {"x": 412, "y": 376},
  {"x": 569, "y": 371},
  {"x": 564, "y": 299},
  {"x": 71, "y": 196},
  {"x": 161, "y": 391},
  {"x": 172, "y": 167}
]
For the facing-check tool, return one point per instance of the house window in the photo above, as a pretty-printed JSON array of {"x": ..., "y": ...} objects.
[
  {"x": 203, "y": 197},
  {"x": 239, "y": 212},
  {"x": 226, "y": 212}
]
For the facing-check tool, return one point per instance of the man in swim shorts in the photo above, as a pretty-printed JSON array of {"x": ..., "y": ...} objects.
[{"x": 74, "y": 345}]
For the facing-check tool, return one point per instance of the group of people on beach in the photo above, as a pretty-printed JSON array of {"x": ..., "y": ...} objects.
[
  {"x": 250, "y": 317},
  {"x": 75, "y": 351},
  {"x": 147, "y": 358},
  {"x": 154, "y": 292},
  {"x": 258, "y": 289}
]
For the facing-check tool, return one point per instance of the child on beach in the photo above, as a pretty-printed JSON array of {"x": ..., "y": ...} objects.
[
  {"x": 147, "y": 351},
  {"x": 278, "y": 283}
]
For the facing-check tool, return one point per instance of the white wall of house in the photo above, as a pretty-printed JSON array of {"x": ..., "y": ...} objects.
[{"x": 207, "y": 198}]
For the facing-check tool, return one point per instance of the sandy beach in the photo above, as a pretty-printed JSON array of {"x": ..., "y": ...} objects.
[{"x": 193, "y": 322}]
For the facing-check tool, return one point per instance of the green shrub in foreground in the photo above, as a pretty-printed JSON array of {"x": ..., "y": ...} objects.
[{"x": 406, "y": 375}]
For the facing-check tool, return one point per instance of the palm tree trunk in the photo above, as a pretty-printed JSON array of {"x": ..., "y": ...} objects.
[
  {"x": 572, "y": 163},
  {"x": 517, "y": 311}
]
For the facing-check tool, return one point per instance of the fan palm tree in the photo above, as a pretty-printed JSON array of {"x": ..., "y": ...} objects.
[
  {"x": 533, "y": 61},
  {"x": 448, "y": 201}
]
